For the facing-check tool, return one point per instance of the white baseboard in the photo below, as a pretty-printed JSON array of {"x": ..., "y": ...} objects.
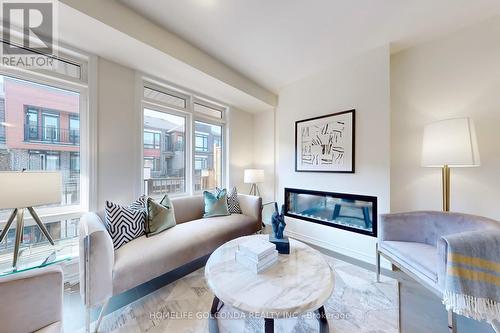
[
  {"x": 332, "y": 247},
  {"x": 339, "y": 249}
]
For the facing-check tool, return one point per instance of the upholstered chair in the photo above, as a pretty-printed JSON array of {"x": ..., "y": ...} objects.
[
  {"x": 32, "y": 301},
  {"x": 413, "y": 243}
]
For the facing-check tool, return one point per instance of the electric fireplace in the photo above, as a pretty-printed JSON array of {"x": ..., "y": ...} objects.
[{"x": 356, "y": 213}]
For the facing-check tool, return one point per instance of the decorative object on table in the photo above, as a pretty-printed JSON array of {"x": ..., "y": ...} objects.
[
  {"x": 256, "y": 254},
  {"x": 277, "y": 238},
  {"x": 233, "y": 205},
  {"x": 468, "y": 289},
  {"x": 215, "y": 204},
  {"x": 160, "y": 216},
  {"x": 24, "y": 190},
  {"x": 352, "y": 212},
  {"x": 253, "y": 176},
  {"x": 447, "y": 144},
  {"x": 125, "y": 223},
  {"x": 325, "y": 143}
]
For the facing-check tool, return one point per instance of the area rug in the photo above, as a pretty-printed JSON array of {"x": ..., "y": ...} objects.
[{"x": 358, "y": 304}]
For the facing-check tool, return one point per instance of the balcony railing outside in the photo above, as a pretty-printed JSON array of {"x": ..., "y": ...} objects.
[
  {"x": 52, "y": 135},
  {"x": 160, "y": 186}
]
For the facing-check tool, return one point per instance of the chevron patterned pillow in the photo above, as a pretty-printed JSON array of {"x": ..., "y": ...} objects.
[
  {"x": 125, "y": 223},
  {"x": 233, "y": 204}
]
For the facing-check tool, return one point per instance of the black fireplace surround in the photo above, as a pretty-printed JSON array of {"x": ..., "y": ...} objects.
[{"x": 352, "y": 212}]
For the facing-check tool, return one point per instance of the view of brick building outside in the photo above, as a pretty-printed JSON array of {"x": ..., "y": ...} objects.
[{"x": 40, "y": 130}]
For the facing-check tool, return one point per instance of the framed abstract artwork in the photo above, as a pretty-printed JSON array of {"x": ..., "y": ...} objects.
[{"x": 325, "y": 143}]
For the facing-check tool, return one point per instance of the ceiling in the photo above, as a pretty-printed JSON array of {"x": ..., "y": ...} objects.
[{"x": 277, "y": 42}]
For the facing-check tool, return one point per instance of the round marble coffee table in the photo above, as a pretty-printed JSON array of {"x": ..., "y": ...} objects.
[{"x": 299, "y": 282}]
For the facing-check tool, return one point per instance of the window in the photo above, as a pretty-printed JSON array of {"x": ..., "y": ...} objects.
[
  {"x": 40, "y": 121},
  {"x": 152, "y": 163},
  {"x": 208, "y": 175},
  {"x": 31, "y": 107},
  {"x": 201, "y": 142},
  {"x": 208, "y": 110},
  {"x": 170, "y": 98},
  {"x": 50, "y": 127},
  {"x": 191, "y": 131},
  {"x": 164, "y": 166},
  {"x": 74, "y": 162},
  {"x": 74, "y": 129},
  {"x": 200, "y": 162},
  {"x": 44, "y": 160},
  {"x": 31, "y": 126},
  {"x": 151, "y": 139}
]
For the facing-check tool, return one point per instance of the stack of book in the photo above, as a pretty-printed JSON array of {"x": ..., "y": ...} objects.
[{"x": 256, "y": 254}]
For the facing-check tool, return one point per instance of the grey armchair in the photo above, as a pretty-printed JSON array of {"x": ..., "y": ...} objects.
[
  {"x": 413, "y": 243},
  {"x": 32, "y": 301}
]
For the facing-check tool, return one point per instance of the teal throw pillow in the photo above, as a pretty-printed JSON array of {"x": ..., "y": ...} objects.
[{"x": 215, "y": 204}]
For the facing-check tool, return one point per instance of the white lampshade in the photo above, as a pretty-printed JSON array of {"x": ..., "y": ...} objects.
[
  {"x": 253, "y": 176},
  {"x": 450, "y": 142},
  {"x": 28, "y": 189}
]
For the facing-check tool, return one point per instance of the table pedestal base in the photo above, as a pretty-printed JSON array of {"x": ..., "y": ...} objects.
[{"x": 217, "y": 304}]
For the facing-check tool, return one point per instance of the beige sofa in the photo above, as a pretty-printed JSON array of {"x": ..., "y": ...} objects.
[{"x": 105, "y": 272}]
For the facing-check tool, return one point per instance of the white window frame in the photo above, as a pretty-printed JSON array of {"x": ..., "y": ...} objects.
[
  {"x": 85, "y": 86},
  {"x": 191, "y": 117}
]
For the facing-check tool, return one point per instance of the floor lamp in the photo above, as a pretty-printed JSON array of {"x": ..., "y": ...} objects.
[
  {"x": 447, "y": 144},
  {"x": 24, "y": 190},
  {"x": 253, "y": 176}
]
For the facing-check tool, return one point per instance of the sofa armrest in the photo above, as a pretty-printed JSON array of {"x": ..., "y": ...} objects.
[
  {"x": 31, "y": 300},
  {"x": 96, "y": 260},
  {"x": 251, "y": 206}
]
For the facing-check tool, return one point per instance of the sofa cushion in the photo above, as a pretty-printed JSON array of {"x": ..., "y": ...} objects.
[
  {"x": 420, "y": 258},
  {"x": 146, "y": 258},
  {"x": 188, "y": 208}
]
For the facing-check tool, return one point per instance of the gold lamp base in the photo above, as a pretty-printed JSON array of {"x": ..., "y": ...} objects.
[
  {"x": 19, "y": 213},
  {"x": 446, "y": 188}
]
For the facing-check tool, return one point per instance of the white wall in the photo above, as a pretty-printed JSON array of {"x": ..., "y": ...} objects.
[
  {"x": 361, "y": 84},
  {"x": 264, "y": 154},
  {"x": 240, "y": 141},
  {"x": 119, "y": 137},
  {"x": 455, "y": 76}
]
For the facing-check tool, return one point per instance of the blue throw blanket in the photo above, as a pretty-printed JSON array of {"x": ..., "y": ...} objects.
[{"x": 472, "y": 284}]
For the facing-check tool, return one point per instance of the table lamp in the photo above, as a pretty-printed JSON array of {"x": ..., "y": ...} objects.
[
  {"x": 253, "y": 176},
  {"x": 450, "y": 143},
  {"x": 24, "y": 190}
]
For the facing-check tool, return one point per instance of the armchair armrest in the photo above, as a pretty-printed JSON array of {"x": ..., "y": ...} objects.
[
  {"x": 251, "y": 206},
  {"x": 31, "y": 300},
  {"x": 96, "y": 260}
]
